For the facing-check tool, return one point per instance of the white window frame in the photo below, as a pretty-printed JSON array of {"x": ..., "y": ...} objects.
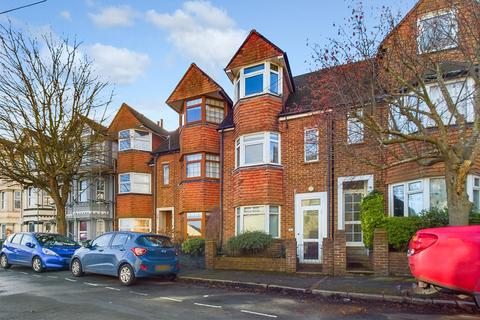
[
  {"x": 357, "y": 135},
  {"x": 471, "y": 186},
  {"x": 425, "y": 191},
  {"x": 129, "y": 220},
  {"x": 4, "y": 200},
  {"x": 240, "y": 142},
  {"x": 32, "y": 197},
  {"x": 305, "y": 145},
  {"x": 99, "y": 191},
  {"x": 215, "y": 160},
  {"x": 166, "y": 177},
  {"x": 368, "y": 178},
  {"x": 431, "y": 15},
  {"x": 266, "y": 80},
  {"x": 134, "y": 184},
  {"x": 83, "y": 193},
  {"x": 266, "y": 211},
  {"x": 17, "y": 196},
  {"x": 211, "y": 105},
  {"x": 133, "y": 139}
]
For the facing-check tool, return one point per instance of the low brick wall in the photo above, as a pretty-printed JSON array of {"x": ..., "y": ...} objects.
[
  {"x": 283, "y": 264},
  {"x": 251, "y": 263},
  {"x": 398, "y": 264}
]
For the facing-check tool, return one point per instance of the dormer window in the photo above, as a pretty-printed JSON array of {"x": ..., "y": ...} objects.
[
  {"x": 133, "y": 139},
  {"x": 437, "y": 31},
  {"x": 258, "y": 79}
]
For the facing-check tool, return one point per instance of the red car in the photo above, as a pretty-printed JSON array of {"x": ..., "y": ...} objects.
[{"x": 447, "y": 257}]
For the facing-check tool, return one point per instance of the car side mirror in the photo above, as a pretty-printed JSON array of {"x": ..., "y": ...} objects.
[
  {"x": 87, "y": 244},
  {"x": 30, "y": 245}
]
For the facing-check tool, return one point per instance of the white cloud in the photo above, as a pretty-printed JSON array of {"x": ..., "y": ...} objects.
[
  {"x": 201, "y": 31},
  {"x": 66, "y": 15},
  {"x": 114, "y": 16},
  {"x": 118, "y": 65}
]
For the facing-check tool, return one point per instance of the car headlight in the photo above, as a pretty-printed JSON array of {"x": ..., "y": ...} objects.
[{"x": 49, "y": 252}]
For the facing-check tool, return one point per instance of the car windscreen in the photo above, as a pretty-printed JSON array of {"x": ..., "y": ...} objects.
[
  {"x": 155, "y": 241},
  {"x": 54, "y": 240}
]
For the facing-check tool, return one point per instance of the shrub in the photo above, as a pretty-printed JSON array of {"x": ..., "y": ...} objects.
[
  {"x": 250, "y": 242},
  {"x": 434, "y": 218},
  {"x": 400, "y": 230},
  {"x": 194, "y": 246},
  {"x": 474, "y": 218},
  {"x": 372, "y": 215}
]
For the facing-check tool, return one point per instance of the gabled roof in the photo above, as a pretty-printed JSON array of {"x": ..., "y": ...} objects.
[
  {"x": 147, "y": 123},
  {"x": 255, "y": 48},
  {"x": 195, "y": 82}
]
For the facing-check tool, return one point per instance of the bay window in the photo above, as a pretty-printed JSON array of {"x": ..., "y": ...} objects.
[
  {"x": 258, "y": 218},
  {"x": 193, "y": 165},
  {"x": 32, "y": 197},
  {"x": 100, "y": 189},
  {"x": 133, "y": 139},
  {"x": 135, "y": 224},
  {"x": 4, "y": 200},
  {"x": 412, "y": 197},
  {"x": 261, "y": 78},
  {"x": 437, "y": 31},
  {"x": 83, "y": 190},
  {"x": 17, "y": 200},
  {"x": 258, "y": 148},
  {"x": 311, "y": 145},
  {"x": 134, "y": 183}
]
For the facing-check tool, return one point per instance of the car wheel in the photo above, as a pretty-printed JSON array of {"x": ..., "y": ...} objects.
[
  {"x": 37, "y": 265},
  {"x": 76, "y": 268},
  {"x": 4, "y": 262},
  {"x": 126, "y": 275}
]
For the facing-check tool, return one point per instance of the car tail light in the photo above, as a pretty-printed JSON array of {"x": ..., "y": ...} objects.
[
  {"x": 421, "y": 241},
  {"x": 143, "y": 267},
  {"x": 139, "y": 251}
]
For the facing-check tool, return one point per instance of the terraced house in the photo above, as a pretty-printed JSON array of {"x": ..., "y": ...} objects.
[{"x": 270, "y": 160}]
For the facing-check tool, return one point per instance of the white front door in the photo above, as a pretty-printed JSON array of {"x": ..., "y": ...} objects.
[{"x": 310, "y": 225}]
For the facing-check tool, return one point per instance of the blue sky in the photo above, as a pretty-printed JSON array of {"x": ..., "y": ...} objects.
[{"x": 143, "y": 47}]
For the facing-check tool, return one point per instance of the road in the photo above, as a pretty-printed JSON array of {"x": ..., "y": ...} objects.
[{"x": 55, "y": 295}]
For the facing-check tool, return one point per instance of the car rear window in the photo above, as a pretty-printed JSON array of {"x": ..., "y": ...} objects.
[{"x": 155, "y": 241}]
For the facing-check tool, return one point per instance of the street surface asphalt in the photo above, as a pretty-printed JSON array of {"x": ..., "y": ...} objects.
[{"x": 56, "y": 295}]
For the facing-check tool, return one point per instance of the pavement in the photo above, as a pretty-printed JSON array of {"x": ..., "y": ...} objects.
[
  {"x": 367, "y": 287},
  {"x": 55, "y": 295}
]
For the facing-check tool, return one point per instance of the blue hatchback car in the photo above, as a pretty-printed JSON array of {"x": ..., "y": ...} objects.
[
  {"x": 127, "y": 255},
  {"x": 39, "y": 250}
]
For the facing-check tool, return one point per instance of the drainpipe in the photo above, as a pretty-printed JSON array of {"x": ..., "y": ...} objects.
[
  {"x": 154, "y": 224},
  {"x": 330, "y": 177},
  {"x": 221, "y": 188}
]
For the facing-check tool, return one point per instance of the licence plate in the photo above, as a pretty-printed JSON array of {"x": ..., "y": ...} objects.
[{"x": 162, "y": 267}]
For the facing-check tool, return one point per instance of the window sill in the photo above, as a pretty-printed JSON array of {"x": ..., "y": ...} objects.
[
  {"x": 134, "y": 193},
  {"x": 433, "y": 51},
  {"x": 311, "y": 161},
  {"x": 256, "y": 166},
  {"x": 133, "y": 150}
]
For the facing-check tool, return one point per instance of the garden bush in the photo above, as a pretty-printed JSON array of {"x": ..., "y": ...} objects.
[
  {"x": 474, "y": 218},
  {"x": 249, "y": 243},
  {"x": 194, "y": 246},
  {"x": 372, "y": 215}
]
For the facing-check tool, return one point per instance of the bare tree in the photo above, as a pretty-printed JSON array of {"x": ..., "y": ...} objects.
[
  {"x": 411, "y": 88},
  {"x": 48, "y": 95}
]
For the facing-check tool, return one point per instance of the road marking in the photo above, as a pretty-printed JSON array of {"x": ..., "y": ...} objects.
[
  {"x": 139, "y": 293},
  {"x": 207, "y": 305},
  {"x": 24, "y": 272},
  {"x": 259, "y": 314},
  {"x": 171, "y": 299},
  {"x": 53, "y": 277},
  {"x": 110, "y": 288},
  {"x": 37, "y": 275},
  {"x": 71, "y": 280},
  {"x": 91, "y": 284}
]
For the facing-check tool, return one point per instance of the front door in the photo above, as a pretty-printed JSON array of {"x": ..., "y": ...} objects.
[
  {"x": 310, "y": 225},
  {"x": 164, "y": 222}
]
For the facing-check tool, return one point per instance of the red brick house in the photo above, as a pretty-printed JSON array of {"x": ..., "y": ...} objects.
[{"x": 268, "y": 160}]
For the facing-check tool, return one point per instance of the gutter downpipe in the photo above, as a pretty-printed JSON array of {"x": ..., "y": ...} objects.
[
  {"x": 330, "y": 176},
  {"x": 221, "y": 187},
  {"x": 154, "y": 200}
]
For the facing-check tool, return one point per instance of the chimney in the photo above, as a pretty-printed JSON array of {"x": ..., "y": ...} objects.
[{"x": 160, "y": 123}]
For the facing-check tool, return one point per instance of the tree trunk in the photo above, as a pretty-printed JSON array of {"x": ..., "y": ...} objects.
[
  {"x": 61, "y": 220},
  {"x": 459, "y": 206}
]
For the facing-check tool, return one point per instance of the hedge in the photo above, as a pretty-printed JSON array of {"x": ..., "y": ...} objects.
[
  {"x": 194, "y": 246},
  {"x": 249, "y": 243}
]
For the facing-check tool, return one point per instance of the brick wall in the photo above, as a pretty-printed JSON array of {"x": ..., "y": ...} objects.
[
  {"x": 339, "y": 254},
  {"x": 327, "y": 256},
  {"x": 398, "y": 264},
  {"x": 380, "y": 252}
]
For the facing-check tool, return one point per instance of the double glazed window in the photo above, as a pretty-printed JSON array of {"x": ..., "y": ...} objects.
[
  {"x": 32, "y": 197},
  {"x": 437, "y": 32},
  {"x": 411, "y": 198},
  {"x": 134, "y": 139},
  {"x": 3, "y": 200},
  {"x": 17, "y": 200},
  {"x": 214, "y": 110},
  {"x": 476, "y": 194},
  {"x": 134, "y": 183},
  {"x": 355, "y": 130},
  {"x": 258, "y": 218},
  {"x": 197, "y": 167},
  {"x": 212, "y": 166},
  {"x": 258, "y": 148},
  {"x": 100, "y": 189},
  {"x": 166, "y": 174},
  {"x": 195, "y": 224},
  {"x": 258, "y": 79},
  {"x": 311, "y": 145},
  {"x": 83, "y": 190}
]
